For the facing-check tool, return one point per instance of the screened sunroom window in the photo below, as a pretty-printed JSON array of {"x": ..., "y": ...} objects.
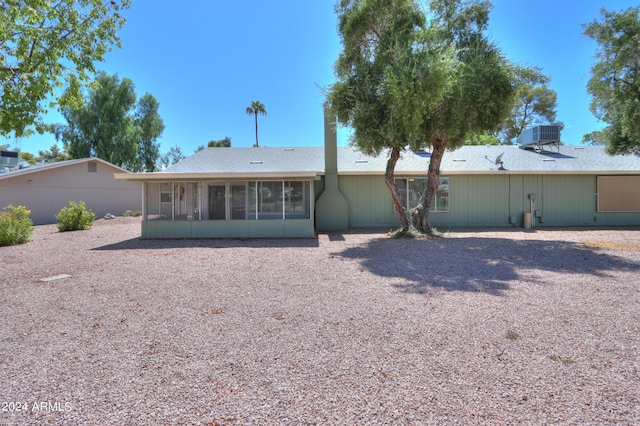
[
  {"x": 278, "y": 200},
  {"x": 232, "y": 200},
  {"x": 173, "y": 201},
  {"x": 411, "y": 189}
]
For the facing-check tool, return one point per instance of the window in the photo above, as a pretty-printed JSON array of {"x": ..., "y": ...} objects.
[
  {"x": 166, "y": 200},
  {"x": 239, "y": 201},
  {"x": 173, "y": 201},
  {"x": 217, "y": 202},
  {"x": 186, "y": 201},
  {"x": 269, "y": 200},
  {"x": 235, "y": 200},
  {"x": 618, "y": 193},
  {"x": 294, "y": 199},
  {"x": 411, "y": 189},
  {"x": 278, "y": 200}
]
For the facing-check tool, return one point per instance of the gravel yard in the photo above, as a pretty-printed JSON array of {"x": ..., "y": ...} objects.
[{"x": 489, "y": 326}]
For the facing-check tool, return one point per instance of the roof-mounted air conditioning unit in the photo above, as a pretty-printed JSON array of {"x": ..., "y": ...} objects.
[
  {"x": 538, "y": 136},
  {"x": 9, "y": 159}
]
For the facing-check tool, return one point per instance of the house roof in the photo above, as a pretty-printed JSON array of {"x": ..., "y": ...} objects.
[
  {"x": 224, "y": 163},
  {"x": 308, "y": 162},
  {"x": 57, "y": 164},
  {"x": 481, "y": 160}
]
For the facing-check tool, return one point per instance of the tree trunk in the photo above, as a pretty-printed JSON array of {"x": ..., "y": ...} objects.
[
  {"x": 420, "y": 216},
  {"x": 388, "y": 178},
  {"x": 256, "y": 114}
]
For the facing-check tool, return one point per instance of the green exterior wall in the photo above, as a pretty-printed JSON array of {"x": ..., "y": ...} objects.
[
  {"x": 273, "y": 228},
  {"x": 490, "y": 200}
]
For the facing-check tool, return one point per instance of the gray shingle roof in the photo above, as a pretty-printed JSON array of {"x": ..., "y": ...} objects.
[
  {"x": 252, "y": 160},
  {"x": 481, "y": 160},
  {"x": 309, "y": 161}
]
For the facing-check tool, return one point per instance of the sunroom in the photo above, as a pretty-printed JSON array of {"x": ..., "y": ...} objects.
[
  {"x": 218, "y": 208},
  {"x": 233, "y": 193}
]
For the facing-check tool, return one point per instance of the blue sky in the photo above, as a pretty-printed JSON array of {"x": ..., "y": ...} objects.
[{"x": 205, "y": 61}]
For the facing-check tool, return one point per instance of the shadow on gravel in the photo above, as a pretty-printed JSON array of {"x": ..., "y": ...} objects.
[
  {"x": 486, "y": 265},
  {"x": 151, "y": 244}
]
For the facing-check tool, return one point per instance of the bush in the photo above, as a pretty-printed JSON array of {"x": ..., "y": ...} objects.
[
  {"x": 411, "y": 232},
  {"x": 75, "y": 217},
  {"x": 15, "y": 225},
  {"x": 134, "y": 213}
]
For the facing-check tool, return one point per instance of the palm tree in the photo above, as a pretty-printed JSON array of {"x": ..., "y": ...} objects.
[{"x": 254, "y": 109}]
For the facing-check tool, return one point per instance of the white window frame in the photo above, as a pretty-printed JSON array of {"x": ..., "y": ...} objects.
[{"x": 434, "y": 202}]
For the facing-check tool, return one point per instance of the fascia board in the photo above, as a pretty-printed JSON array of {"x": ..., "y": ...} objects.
[
  {"x": 497, "y": 172},
  {"x": 161, "y": 176}
]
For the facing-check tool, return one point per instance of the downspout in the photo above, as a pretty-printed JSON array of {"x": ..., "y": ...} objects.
[
  {"x": 145, "y": 213},
  {"x": 532, "y": 203}
]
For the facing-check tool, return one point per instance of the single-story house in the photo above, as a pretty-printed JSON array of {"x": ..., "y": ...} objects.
[
  {"x": 294, "y": 192},
  {"x": 46, "y": 188}
]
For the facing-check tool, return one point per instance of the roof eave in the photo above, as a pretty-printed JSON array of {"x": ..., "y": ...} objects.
[
  {"x": 164, "y": 176},
  {"x": 494, "y": 172}
]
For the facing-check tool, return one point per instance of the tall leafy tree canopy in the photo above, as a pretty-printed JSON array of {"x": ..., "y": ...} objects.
[
  {"x": 417, "y": 76},
  {"x": 51, "y": 155},
  {"x": 109, "y": 124},
  {"x": 148, "y": 121},
  {"x": 45, "y": 46},
  {"x": 535, "y": 103},
  {"x": 615, "y": 80},
  {"x": 222, "y": 143},
  {"x": 171, "y": 157}
]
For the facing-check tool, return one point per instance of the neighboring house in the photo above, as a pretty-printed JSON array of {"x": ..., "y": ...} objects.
[
  {"x": 46, "y": 188},
  {"x": 292, "y": 192}
]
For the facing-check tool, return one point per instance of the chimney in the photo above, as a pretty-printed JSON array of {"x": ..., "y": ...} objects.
[{"x": 332, "y": 208}]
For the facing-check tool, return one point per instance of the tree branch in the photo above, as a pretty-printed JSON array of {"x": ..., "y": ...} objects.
[{"x": 630, "y": 84}]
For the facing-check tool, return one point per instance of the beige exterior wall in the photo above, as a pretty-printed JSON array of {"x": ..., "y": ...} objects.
[{"x": 46, "y": 191}]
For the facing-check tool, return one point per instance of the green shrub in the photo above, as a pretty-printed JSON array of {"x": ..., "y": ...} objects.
[
  {"x": 134, "y": 213},
  {"x": 75, "y": 217},
  {"x": 410, "y": 232},
  {"x": 15, "y": 225}
]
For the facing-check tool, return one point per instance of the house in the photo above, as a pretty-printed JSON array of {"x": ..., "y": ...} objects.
[
  {"x": 294, "y": 192},
  {"x": 46, "y": 188}
]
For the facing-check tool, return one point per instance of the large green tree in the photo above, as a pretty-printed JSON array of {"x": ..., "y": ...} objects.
[
  {"x": 51, "y": 155},
  {"x": 481, "y": 96},
  {"x": 171, "y": 157},
  {"x": 222, "y": 143},
  {"x": 417, "y": 76},
  {"x": 46, "y": 46},
  {"x": 535, "y": 103},
  {"x": 148, "y": 121},
  {"x": 254, "y": 109},
  {"x": 615, "y": 80},
  {"x": 378, "y": 72},
  {"x": 109, "y": 124}
]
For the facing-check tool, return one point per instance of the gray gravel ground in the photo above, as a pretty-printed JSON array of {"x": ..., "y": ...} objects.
[{"x": 491, "y": 326}]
